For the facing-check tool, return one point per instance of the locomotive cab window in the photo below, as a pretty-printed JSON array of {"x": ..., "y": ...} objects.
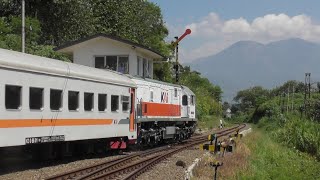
[
  {"x": 55, "y": 99},
  {"x": 114, "y": 103},
  {"x": 102, "y": 102},
  {"x": 73, "y": 100},
  {"x": 13, "y": 97},
  {"x": 125, "y": 103},
  {"x": 88, "y": 101},
  {"x": 184, "y": 100},
  {"x": 35, "y": 98}
]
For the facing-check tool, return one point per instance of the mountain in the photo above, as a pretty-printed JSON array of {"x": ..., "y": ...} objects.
[{"x": 248, "y": 63}]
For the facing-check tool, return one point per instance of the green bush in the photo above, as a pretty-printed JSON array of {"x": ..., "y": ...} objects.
[{"x": 301, "y": 134}]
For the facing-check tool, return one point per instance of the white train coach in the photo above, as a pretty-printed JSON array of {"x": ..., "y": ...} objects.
[{"x": 51, "y": 107}]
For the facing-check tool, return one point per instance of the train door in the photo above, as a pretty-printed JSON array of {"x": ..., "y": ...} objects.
[
  {"x": 184, "y": 106},
  {"x": 132, "y": 109},
  {"x": 192, "y": 108}
]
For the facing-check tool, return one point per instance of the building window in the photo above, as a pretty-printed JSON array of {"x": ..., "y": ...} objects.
[
  {"x": 88, "y": 101},
  {"x": 125, "y": 103},
  {"x": 184, "y": 100},
  {"x": 102, "y": 102},
  {"x": 99, "y": 62},
  {"x": 111, "y": 62},
  {"x": 55, "y": 99},
  {"x": 145, "y": 68},
  {"x": 139, "y": 66},
  {"x": 73, "y": 100},
  {"x": 114, "y": 103},
  {"x": 175, "y": 92},
  {"x": 13, "y": 97},
  {"x": 115, "y": 63},
  {"x": 123, "y": 65},
  {"x": 35, "y": 98},
  {"x": 150, "y": 67}
]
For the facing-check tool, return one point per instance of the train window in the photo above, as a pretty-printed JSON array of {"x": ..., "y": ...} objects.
[
  {"x": 151, "y": 96},
  {"x": 35, "y": 98},
  {"x": 55, "y": 99},
  {"x": 13, "y": 97},
  {"x": 102, "y": 102},
  {"x": 99, "y": 62},
  {"x": 125, "y": 103},
  {"x": 73, "y": 100},
  {"x": 111, "y": 62},
  {"x": 184, "y": 100},
  {"x": 114, "y": 103},
  {"x": 175, "y": 92},
  {"x": 88, "y": 101}
]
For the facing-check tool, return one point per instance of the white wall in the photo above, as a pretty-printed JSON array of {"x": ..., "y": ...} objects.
[{"x": 85, "y": 52}]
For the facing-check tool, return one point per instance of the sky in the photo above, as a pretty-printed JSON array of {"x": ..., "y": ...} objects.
[{"x": 215, "y": 25}]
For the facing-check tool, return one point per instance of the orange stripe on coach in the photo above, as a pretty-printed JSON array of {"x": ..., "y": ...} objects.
[
  {"x": 15, "y": 123},
  {"x": 158, "y": 109}
]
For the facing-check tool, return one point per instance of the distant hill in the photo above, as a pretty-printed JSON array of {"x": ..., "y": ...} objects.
[{"x": 248, "y": 63}]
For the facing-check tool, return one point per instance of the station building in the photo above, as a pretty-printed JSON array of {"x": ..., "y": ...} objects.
[{"x": 110, "y": 52}]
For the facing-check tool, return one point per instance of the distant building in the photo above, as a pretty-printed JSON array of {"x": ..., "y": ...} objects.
[
  {"x": 109, "y": 52},
  {"x": 228, "y": 113}
]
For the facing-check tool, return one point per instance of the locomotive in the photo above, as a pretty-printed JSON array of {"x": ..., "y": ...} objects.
[{"x": 50, "y": 107}]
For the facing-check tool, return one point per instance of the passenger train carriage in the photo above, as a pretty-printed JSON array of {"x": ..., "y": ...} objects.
[{"x": 52, "y": 105}]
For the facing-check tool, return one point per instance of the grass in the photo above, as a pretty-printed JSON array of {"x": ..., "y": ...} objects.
[{"x": 270, "y": 160}]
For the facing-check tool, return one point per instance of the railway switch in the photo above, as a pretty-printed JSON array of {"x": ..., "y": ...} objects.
[{"x": 211, "y": 147}]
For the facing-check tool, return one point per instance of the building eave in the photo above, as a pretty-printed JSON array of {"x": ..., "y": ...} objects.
[{"x": 64, "y": 48}]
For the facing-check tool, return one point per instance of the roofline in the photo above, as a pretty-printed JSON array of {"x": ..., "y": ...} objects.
[{"x": 81, "y": 40}]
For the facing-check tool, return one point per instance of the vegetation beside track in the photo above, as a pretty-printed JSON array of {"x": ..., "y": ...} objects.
[
  {"x": 258, "y": 156},
  {"x": 286, "y": 118},
  {"x": 272, "y": 160}
]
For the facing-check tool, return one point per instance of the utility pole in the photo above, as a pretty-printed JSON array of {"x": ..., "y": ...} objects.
[
  {"x": 23, "y": 26},
  {"x": 288, "y": 103},
  {"x": 292, "y": 97},
  {"x": 307, "y": 87}
]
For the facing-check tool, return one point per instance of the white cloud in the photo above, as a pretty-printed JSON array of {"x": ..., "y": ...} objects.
[{"x": 216, "y": 34}]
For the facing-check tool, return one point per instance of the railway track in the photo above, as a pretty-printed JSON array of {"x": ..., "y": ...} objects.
[{"x": 131, "y": 166}]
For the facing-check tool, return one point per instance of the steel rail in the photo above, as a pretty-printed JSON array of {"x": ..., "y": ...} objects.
[
  {"x": 106, "y": 164},
  {"x": 111, "y": 168},
  {"x": 156, "y": 160}
]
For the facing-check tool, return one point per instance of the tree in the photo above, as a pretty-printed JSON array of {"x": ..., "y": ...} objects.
[
  {"x": 162, "y": 72},
  {"x": 61, "y": 21},
  {"x": 10, "y": 37},
  {"x": 252, "y": 97},
  {"x": 289, "y": 85}
]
